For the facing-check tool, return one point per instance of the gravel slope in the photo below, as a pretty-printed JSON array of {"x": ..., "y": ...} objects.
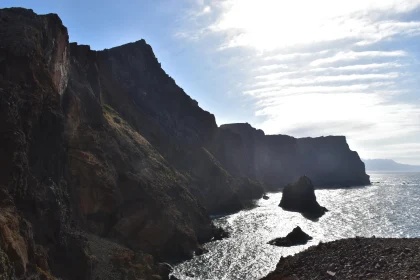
[{"x": 355, "y": 258}]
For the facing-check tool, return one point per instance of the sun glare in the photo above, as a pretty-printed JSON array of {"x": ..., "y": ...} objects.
[{"x": 270, "y": 24}]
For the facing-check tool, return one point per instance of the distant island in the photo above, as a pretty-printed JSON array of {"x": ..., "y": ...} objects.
[{"x": 389, "y": 165}]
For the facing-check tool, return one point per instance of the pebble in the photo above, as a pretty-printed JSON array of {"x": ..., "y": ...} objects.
[{"x": 331, "y": 273}]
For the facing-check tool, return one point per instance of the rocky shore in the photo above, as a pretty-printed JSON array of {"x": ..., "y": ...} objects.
[{"x": 354, "y": 258}]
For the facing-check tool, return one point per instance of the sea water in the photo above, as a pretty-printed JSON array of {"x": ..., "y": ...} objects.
[{"x": 390, "y": 207}]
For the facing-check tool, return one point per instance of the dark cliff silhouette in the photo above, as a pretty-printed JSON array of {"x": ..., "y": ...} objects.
[{"x": 277, "y": 160}]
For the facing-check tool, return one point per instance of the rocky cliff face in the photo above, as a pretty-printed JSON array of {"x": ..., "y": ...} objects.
[
  {"x": 130, "y": 81},
  {"x": 122, "y": 186},
  {"x": 90, "y": 142},
  {"x": 34, "y": 198},
  {"x": 108, "y": 167},
  {"x": 277, "y": 160}
]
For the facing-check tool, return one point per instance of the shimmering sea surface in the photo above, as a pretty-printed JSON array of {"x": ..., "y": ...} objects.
[{"x": 390, "y": 207}]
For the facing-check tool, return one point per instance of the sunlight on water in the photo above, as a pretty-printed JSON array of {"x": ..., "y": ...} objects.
[{"x": 388, "y": 208}]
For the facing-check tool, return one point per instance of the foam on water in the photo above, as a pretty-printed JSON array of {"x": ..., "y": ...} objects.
[{"x": 390, "y": 207}]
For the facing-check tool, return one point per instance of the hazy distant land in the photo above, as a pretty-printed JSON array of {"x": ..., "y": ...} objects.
[{"x": 389, "y": 165}]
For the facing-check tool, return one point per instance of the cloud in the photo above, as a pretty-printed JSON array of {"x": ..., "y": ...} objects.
[
  {"x": 272, "y": 67},
  {"x": 271, "y": 79},
  {"x": 351, "y": 55},
  {"x": 290, "y": 56},
  {"x": 312, "y": 68},
  {"x": 364, "y": 116},
  {"x": 206, "y": 10},
  {"x": 263, "y": 92},
  {"x": 358, "y": 67},
  {"x": 269, "y": 24}
]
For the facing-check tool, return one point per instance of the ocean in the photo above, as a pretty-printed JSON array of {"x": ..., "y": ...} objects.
[{"x": 390, "y": 207}]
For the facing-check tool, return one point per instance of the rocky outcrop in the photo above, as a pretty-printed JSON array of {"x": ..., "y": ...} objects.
[
  {"x": 277, "y": 160},
  {"x": 296, "y": 237},
  {"x": 300, "y": 197}
]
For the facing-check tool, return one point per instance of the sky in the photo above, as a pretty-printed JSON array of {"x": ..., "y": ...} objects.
[{"x": 302, "y": 68}]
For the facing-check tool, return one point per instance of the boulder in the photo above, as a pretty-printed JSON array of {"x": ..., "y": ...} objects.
[
  {"x": 200, "y": 251},
  {"x": 220, "y": 234},
  {"x": 300, "y": 197},
  {"x": 296, "y": 237}
]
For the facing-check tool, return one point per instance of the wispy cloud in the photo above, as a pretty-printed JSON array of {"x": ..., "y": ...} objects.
[
  {"x": 358, "y": 67},
  {"x": 351, "y": 55},
  {"x": 206, "y": 10},
  {"x": 322, "y": 67},
  {"x": 324, "y": 79},
  {"x": 263, "y": 92},
  {"x": 269, "y": 24}
]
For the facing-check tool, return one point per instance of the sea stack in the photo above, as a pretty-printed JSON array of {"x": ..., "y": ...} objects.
[{"x": 300, "y": 197}]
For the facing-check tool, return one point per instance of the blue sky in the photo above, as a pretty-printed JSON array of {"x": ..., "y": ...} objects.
[{"x": 303, "y": 68}]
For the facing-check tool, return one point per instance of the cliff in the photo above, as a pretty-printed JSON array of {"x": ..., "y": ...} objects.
[
  {"x": 93, "y": 175},
  {"x": 108, "y": 167},
  {"x": 277, "y": 160},
  {"x": 129, "y": 80}
]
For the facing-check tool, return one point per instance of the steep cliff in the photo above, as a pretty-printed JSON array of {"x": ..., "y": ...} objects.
[
  {"x": 75, "y": 169},
  {"x": 277, "y": 160},
  {"x": 33, "y": 193},
  {"x": 130, "y": 80},
  {"x": 108, "y": 166},
  {"x": 122, "y": 186}
]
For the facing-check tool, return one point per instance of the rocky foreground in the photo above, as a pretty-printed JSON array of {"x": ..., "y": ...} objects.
[{"x": 355, "y": 258}]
